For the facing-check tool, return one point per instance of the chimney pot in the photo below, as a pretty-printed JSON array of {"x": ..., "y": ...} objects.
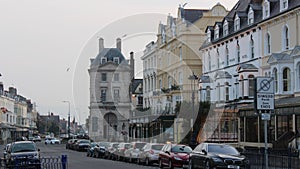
[
  {"x": 101, "y": 44},
  {"x": 119, "y": 44}
]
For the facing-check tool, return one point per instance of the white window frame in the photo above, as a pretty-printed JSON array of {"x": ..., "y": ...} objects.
[
  {"x": 250, "y": 16},
  {"x": 284, "y": 4},
  {"x": 267, "y": 43},
  {"x": 103, "y": 60},
  {"x": 180, "y": 53},
  {"x": 225, "y": 28},
  {"x": 116, "y": 60},
  {"x": 227, "y": 56},
  {"x": 266, "y": 9},
  {"x": 208, "y": 35},
  {"x": 116, "y": 77},
  {"x": 285, "y": 38},
  {"x": 237, "y": 23},
  {"x": 251, "y": 49},
  {"x": 217, "y": 32},
  {"x": 238, "y": 53}
]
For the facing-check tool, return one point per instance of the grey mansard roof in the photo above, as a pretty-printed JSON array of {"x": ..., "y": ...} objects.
[{"x": 110, "y": 54}]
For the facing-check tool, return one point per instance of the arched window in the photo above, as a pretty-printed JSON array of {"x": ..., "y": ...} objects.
[
  {"x": 238, "y": 53},
  {"x": 242, "y": 86},
  {"x": 267, "y": 44},
  {"x": 250, "y": 16},
  {"x": 218, "y": 59},
  {"x": 252, "y": 48},
  {"x": 237, "y": 23},
  {"x": 251, "y": 85},
  {"x": 209, "y": 61},
  {"x": 285, "y": 38},
  {"x": 208, "y": 35},
  {"x": 207, "y": 93},
  {"x": 275, "y": 75},
  {"x": 298, "y": 72},
  {"x": 227, "y": 56},
  {"x": 169, "y": 82},
  {"x": 226, "y": 91},
  {"x": 216, "y": 32},
  {"x": 219, "y": 91},
  {"x": 225, "y": 28},
  {"x": 286, "y": 77}
]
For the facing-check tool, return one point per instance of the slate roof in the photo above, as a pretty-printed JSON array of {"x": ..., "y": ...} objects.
[
  {"x": 280, "y": 57},
  {"x": 296, "y": 51},
  {"x": 205, "y": 79},
  {"x": 135, "y": 84},
  {"x": 222, "y": 75},
  {"x": 247, "y": 66},
  {"x": 192, "y": 15},
  {"x": 242, "y": 7},
  {"x": 109, "y": 53}
]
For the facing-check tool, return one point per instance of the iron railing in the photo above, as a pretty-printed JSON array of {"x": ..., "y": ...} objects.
[{"x": 43, "y": 163}]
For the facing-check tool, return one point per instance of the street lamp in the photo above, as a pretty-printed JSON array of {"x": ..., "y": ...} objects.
[
  {"x": 68, "y": 117},
  {"x": 193, "y": 79}
]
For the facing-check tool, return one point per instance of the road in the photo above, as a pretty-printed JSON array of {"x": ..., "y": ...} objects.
[{"x": 79, "y": 160}]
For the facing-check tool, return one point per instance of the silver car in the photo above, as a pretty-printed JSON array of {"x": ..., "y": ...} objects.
[{"x": 149, "y": 153}]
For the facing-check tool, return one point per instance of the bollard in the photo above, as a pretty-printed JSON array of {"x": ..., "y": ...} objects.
[{"x": 64, "y": 161}]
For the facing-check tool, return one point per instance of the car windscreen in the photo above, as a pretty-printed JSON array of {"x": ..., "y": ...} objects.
[
  {"x": 23, "y": 147},
  {"x": 157, "y": 147},
  {"x": 84, "y": 141},
  {"x": 222, "y": 149},
  {"x": 139, "y": 145},
  {"x": 181, "y": 149},
  {"x": 115, "y": 145},
  {"x": 127, "y": 146}
]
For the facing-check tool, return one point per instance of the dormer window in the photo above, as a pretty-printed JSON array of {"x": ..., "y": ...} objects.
[
  {"x": 116, "y": 60},
  {"x": 216, "y": 32},
  {"x": 266, "y": 9},
  {"x": 103, "y": 60},
  {"x": 208, "y": 35},
  {"x": 225, "y": 28},
  {"x": 283, "y": 5},
  {"x": 250, "y": 16},
  {"x": 236, "y": 23}
]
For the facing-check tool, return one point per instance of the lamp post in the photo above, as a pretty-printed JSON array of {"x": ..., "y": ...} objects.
[
  {"x": 68, "y": 117},
  {"x": 193, "y": 79}
]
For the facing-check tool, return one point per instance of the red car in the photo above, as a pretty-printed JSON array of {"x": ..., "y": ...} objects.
[{"x": 174, "y": 155}]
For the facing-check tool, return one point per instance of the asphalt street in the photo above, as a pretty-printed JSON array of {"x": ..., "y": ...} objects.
[{"x": 79, "y": 160}]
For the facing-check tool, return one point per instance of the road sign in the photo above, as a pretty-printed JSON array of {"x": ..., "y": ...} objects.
[{"x": 264, "y": 93}]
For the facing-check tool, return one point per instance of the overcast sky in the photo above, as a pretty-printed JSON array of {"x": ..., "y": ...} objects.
[{"x": 41, "y": 39}]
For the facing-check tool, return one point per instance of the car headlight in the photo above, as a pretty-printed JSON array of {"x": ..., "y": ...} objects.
[
  {"x": 216, "y": 159},
  {"x": 177, "y": 158}
]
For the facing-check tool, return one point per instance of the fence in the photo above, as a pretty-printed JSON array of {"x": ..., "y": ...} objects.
[
  {"x": 43, "y": 163},
  {"x": 257, "y": 161}
]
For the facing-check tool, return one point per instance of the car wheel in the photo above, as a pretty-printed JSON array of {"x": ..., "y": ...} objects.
[
  {"x": 191, "y": 165},
  {"x": 160, "y": 164},
  {"x": 170, "y": 164},
  {"x": 147, "y": 162},
  {"x": 207, "y": 166}
]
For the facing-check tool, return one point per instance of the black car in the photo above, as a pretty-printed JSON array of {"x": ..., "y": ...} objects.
[
  {"x": 23, "y": 154},
  {"x": 82, "y": 145},
  {"x": 213, "y": 155}
]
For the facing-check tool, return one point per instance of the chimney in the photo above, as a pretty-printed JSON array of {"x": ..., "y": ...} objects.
[
  {"x": 101, "y": 44},
  {"x": 119, "y": 44},
  {"x": 132, "y": 65},
  {"x": 12, "y": 91}
]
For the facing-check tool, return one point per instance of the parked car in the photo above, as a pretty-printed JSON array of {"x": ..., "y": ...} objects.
[
  {"x": 82, "y": 145},
  {"x": 111, "y": 151},
  {"x": 37, "y": 139},
  {"x": 132, "y": 153},
  {"x": 70, "y": 143},
  {"x": 149, "y": 153},
  {"x": 121, "y": 149},
  {"x": 52, "y": 140},
  {"x": 101, "y": 149},
  {"x": 91, "y": 149},
  {"x": 213, "y": 155},
  {"x": 6, "y": 148},
  {"x": 174, "y": 155},
  {"x": 23, "y": 154}
]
